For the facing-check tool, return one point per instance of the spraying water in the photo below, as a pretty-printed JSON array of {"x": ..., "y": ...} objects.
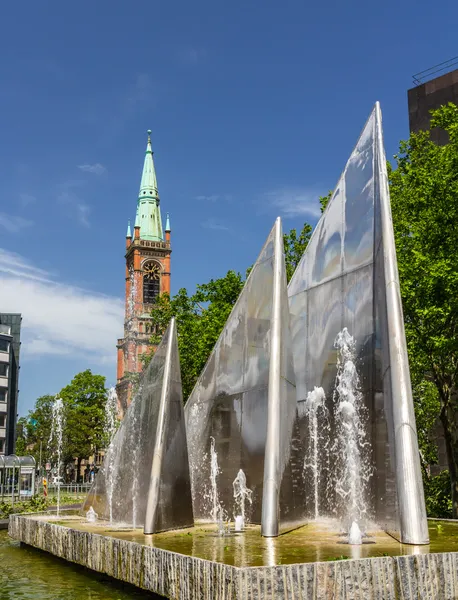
[
  {"x": 351, "y": 447},
  {"x": 316, "y": 457},
  {"x": 355, "y": 536},
  {"x": 218, "y": 514},
  {"x": 55, "y": 439},
  {"x": 214, "y": 472},
  {"x": 242, "y": 494},
  {"x": 110, "y": 426},
  {"x": 135, "y": 455},
  {"x": 91, "y": 515}
]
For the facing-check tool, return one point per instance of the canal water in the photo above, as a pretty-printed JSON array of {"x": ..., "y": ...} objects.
[{"x": 27, "y": 573}]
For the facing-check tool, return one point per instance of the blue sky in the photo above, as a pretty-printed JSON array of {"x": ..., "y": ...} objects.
[{"x": 254, "y": 108}]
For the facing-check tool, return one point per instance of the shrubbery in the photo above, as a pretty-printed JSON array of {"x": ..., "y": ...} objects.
[{"x": 438, "y": 496}]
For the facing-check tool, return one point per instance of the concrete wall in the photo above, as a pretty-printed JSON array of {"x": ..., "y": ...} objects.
[{"x": 428, "y": 96}]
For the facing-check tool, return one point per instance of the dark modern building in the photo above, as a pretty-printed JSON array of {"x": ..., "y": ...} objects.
[
  {"x": 429, "y": 95},
  {"x": 10, "y": 343}
]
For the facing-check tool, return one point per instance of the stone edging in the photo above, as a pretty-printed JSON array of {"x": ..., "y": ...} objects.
[{"x": 180, "y": 577}]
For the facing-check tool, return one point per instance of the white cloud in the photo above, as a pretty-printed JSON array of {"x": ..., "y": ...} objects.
[
  {"x": 97, "y": 168},
  {"x": 83, "y": 211},
  {"x": 27, "y": 199},
  {"x": 214, "y": 197},
  {"x": 59, "y": 319},
  {"x": 215, "y": 225},
  {"x": 12, "y": 223},
  {"x": 14, "y": 265},
  {"x": 295, "y": 202},
  {"x": 76, "y": 206},
  {"x": 192, "y": 55}
]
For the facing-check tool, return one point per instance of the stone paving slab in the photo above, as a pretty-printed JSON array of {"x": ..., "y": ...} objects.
[{"x": 180, "y": 577}]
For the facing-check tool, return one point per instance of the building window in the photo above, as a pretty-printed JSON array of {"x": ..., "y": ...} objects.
[
  {"x": 4, "y": 345},
  {"x": 151, "y": 282},
  {"x": 2, "y": 446},
  {"x": 2, "y": 420},
  {"x": 2, "y": 395},
  {"x": 3, "y": 369}
]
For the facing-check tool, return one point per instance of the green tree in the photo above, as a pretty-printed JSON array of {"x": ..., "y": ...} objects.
[
  {"x": 323, "y": 200},
  {"x": 424, "y": 197},
  {"x": 295, "y": 246},
  {"x": 37, "y": 428},
  {"x": 84, "y": 410},
  {"x": 21, "y": 437}
]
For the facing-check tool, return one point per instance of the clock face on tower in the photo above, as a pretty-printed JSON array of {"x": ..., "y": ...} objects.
[
  {"x": 151, "y": 282},
  {"x": 151, "y": 271}
]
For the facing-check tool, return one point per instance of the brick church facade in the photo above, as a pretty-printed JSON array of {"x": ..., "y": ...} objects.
[{"x": 147, "y": 275}]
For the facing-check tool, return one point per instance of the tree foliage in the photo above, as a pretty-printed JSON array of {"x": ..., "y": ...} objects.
[
  {"x": 424, "y": 197},
  {"x": 84, "y": 410},
  {"x": 84, "y": 404},
  {"x": 295, "y": 246},
  {"x": 324, "y": 200}
]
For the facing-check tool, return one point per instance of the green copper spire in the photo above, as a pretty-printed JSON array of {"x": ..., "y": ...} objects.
[
  {"x": 167, "y": 223},
  {"x": 129, "y": 232},
  {"x": 137, "y": 222},
  {"x": 148, "y": 212}
]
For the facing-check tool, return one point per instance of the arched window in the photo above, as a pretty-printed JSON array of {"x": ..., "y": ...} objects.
[{"x": 151, "y": 282}]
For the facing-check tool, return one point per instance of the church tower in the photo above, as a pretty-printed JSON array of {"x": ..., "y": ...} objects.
[{"x": 147, "y": 276}]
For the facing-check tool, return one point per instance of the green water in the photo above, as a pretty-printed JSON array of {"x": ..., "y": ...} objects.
[
  {"x": 26, "y": 573},
  {"x": 314, "y": 542}
]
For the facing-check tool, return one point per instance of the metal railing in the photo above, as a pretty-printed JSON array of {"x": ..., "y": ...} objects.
[
  {"x": 69, "y": 488},
  {"x": 427, "y": 74}
]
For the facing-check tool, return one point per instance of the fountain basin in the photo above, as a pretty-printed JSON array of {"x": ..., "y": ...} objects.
[{"x": 197, "y": 563}]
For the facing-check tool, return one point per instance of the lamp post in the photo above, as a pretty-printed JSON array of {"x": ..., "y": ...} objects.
[{"x": 39, "y": 463}]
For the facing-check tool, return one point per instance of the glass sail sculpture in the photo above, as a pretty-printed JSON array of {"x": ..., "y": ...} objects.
[
  {"x": 242, "y": 409},
  {"x": 355, "y": 443},
  {"x": 145, "y": 478}
]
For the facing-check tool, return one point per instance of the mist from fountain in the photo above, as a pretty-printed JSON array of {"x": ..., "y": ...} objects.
[
  {"x": 351, "y": 448},
  {"x": 55, "y": 439},
  {"x": 355, "y": 535},
  {"x": 317, "y": 452},
  {"x": 110, "y": 427},
  {"x": 242, "y": 494},
  {"x": 218, "y": 514},
  {"x": 91, "y": 515},
  {"x": 135, "y": 407}
]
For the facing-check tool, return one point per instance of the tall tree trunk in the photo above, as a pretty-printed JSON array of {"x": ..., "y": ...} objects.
[{"x": 448, "y": 418}]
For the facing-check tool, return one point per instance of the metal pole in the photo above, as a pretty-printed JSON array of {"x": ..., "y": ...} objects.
[
  {"x": 271, "y": 489},
  {"x": 411, "y": 499},
  {"x": 12, "y": 486}
]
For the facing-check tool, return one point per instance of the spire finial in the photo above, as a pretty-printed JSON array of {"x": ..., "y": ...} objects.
[
  {"x": 149, "y": 136},
  {"x": 167, "y": 223},
  {"x": 129, "y": 232}
]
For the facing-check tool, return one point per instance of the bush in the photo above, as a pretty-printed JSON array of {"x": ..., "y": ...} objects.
[
  {"x": 37, "y": 503},
  {"x": 438, "y": 496}
]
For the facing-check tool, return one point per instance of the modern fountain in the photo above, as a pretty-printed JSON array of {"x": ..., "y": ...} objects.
[
  {"x": 303, "y": 415},
  {"x": 306, "y": 391}
]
